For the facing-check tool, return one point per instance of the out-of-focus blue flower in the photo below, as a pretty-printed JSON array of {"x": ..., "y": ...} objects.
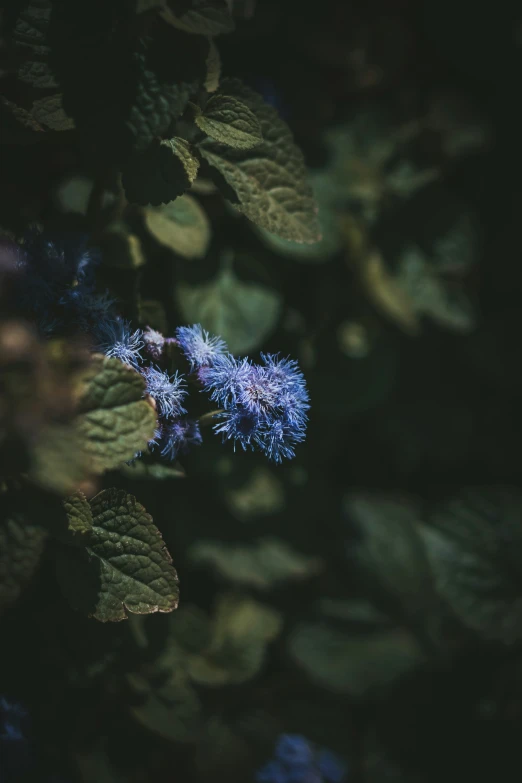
[
  {"x": 167, "y": 390},
  {"x": 178, "y": 437},
  {"x": 154, "y": 343},
  {"x": 293, "y": 749},
  {"x": 297, "y": 760},
  {"x": 332, "y": 768},
  {"x": 114, "y": 338},
  {"x": 273, "y": 772},
  {"x": 200, "y": 348}
]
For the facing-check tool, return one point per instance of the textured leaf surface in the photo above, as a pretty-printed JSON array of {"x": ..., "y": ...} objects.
[
  {"x": 161, "y": 173},
  {"x": 474, "y": 544},
  {"x": 49, "y": 111},
  {"x": 270, "y": 180},
  {"x": 125, "y": 566},
  {"x": 358, "y": 664},
  {"x": 21, "y": 547},
  {"x": 264, "y": 564},
  {"x": 181, "y": 225},
  {"x": 113, "y": 422},
  {"x": 30, "y": 34},
  {"x": 79, "y": 517},
  {"x": 229, "y": 121},
  {"x": 243, "y": 313}
]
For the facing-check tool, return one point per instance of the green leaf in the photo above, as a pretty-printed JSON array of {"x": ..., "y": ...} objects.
[
  {"x": 161, "y": 173},
  {"x": 265, "y": 564},
  {"x": 359, "y": 664},
  {"x": 203, "y": 17},
  {"x": 170, "y": 710},
  {"x": 181, "y": 225},
  {"x": 270, "y": 181},
  {"x": 213, "y": 63},
  {"x": 30, "y": 38},
  {"x": 125, "y": 566},
  {"x": 49, "y": 111},
  {"x": 79, "y": 518},
  {"x": 242, "y": 628},
  {"x": 121, "y": 249},
  {"x": 114, "y": 421},
  {"x": 391, "y": 551},
  {"x": 230, "y": 121},
  {"x": 58, "y": 460},
  {"x": 243, "y": 313},
  {"x": 474, "y": 545},
  {"x": 21, "y": 547},
  {"x": 144, "y": 470}
]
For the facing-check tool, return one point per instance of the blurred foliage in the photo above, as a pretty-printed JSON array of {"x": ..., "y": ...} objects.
[{"x": 368, "y": 594}]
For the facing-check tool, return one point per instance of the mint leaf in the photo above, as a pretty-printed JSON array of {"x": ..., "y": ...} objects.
[
  {"x": 243, "y": 313},
  {"x": 79, "y": 517},
  {"x": 124, "y": 567},
  {"x": 230, "y": 121},
  {"x": 181, "y": 225},
  {"x": 49, "y": 111},
  {"x": 270, "y": 180},
  {"x": 114, "y": 421},
  {"x": 161, "y": 173},
  {"x": 21, "y": 547}
]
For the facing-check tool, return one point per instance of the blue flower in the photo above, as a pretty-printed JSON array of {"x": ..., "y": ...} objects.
[
  {"x": 154, "y": 343},
  {"x": 177, "y": 437},
  {"x": 200, "y": 348},
  {"x": 273, "y": 772},
  {"x": 265, "y": 406},
  {"x": 12, "y": 717},
  {"x": 115, "y": 339},
  {"x": 331, "y": 767},
  {"x": 293, "y": 749},
  {"x": 167, "y": 390}
]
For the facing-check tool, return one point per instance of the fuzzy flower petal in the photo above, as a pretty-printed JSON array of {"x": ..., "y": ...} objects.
[
  {"x": 154, "y": 343},
  {"x": 293, "y": 749},
  {"x": 200, "y": 348},
  {"x": 177, "y": 437},
  {"x": 115, "y": 339},
  {"x": 167, "y": 390}
]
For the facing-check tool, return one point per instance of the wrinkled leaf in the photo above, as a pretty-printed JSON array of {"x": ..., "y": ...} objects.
[
  {"x": 229, "y": 121},
  {"x": 161, "y": 173},
  {"x": 331, "y": 241},
  {"x": 49, "y": 111},
  {"x": 270, "y": 181},
  {"x": 242, "y": 313},
  {"x": 358, "y": 664},
  {"x": 114, "y": 421},
  {"x": 266, "y": 563},
  {"x": 181, "y": 225},
  {"x": 125, "y": 566},
  {"x": 21, "y": 547},
  {"x": 474, "y": 545}
]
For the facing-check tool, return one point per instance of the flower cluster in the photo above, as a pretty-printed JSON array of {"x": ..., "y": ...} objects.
[
  {"x": 265, "y": 406},
  {"x": 296, "y": 760},
  {"x": 260, "y": 406}
]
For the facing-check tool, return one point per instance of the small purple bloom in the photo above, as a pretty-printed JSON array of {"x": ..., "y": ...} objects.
[
  {"x": 273, "y": 772},
  {"x": 240, "y": 425},
  {"x": 200, "y": 348},
  {"x": 177, "y": 437},
  {"x": 167, "y": 390},
  {"x": 154, "y": 343},
  {"x": 115, "y": 339},
  {"x": 293, "y": 749},
  {"x": 226, "y": 379}
]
